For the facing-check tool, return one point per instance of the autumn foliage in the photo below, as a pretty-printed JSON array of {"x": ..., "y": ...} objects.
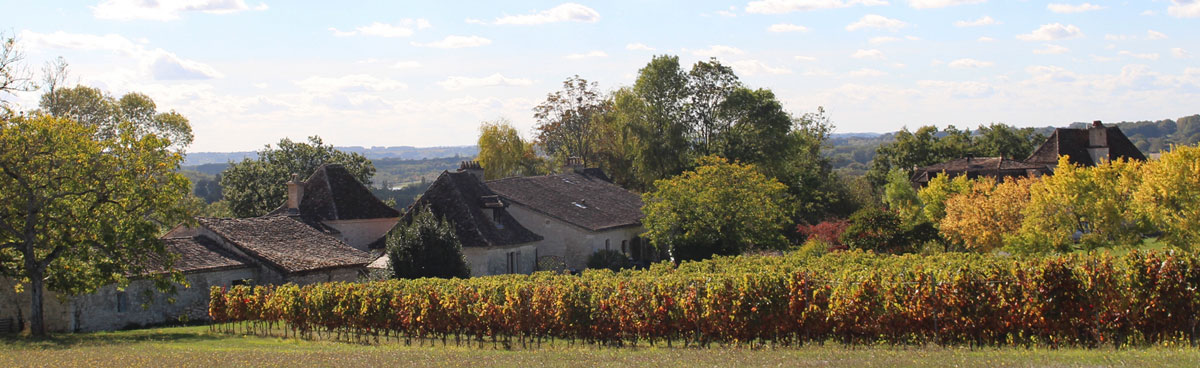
[{"x": 850, "y": 297}]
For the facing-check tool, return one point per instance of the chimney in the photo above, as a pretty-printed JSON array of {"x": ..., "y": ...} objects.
[
  {"x": 573, "y": 164},
  {"x": 295, "y": 193},
  {"x": 471, "y": 167},
  {"x": 1098, "y": 142}
]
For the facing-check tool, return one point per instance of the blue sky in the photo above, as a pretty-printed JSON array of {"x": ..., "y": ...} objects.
[{"x": 249, "y": 72}]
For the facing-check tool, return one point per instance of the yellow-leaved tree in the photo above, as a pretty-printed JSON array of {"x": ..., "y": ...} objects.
[
  {"x": 934, "y": 195},
  {"x": 1170, "y": 195},
  {"x": 1083, "y": 208},
  {"x": 983, "y": 217}
]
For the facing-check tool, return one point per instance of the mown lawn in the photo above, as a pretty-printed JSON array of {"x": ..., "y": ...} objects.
[{"x": 196, "y": 346}]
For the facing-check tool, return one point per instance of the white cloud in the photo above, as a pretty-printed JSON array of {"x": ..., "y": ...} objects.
[
  {"x": 786, "y": 27},
  {"x": 1069, "y": 8},
  {"x": 986, "y": 39},
  {"x": 638, "y": 46},
  {"x": 1184, "y": 9},
  {"x": 158, "y": 63},
  {"x": 966, "y": 89},
  {"x": 1155, "y": 35},
  {"x": 456, "y": 83},
  {"x": 804, "y": 58},
  {"x": 931, "y": 4},
  {"x": 867, "y": 54},
  {"x": 1053, "y": 31},
  {"x": 866, "y": 72},
  {"x": 876, "y": 21},
  {"x": 1179, "y": 52},
  {"x": 567, "y": 12},
  {"x": 1050, "y": 73},
  {"x": 1149, "y": 56},
  {"x": 969, "y": 63},
  {"x": 788, "y": 6},
  {"x": 982, "y": 21},
  {"x": 404, "y": 28},
  {"x": 348, "y": 83},
  {"x": 168, "y": 66},
  {"x": 1113, "y": 37},
  {"x": 882, "y": 39},
  {"x": 455, "y": 42},
  {"x": 717, "y": 51},
  {"x": 164, "y": 10},
  {"x": 755, "y": 67},
  {"x": 406, "y": 64},
  {"x": 1051, "y": 49},
  {"x": 589, "y": 54},
  {"x": 261, "y": 85}
]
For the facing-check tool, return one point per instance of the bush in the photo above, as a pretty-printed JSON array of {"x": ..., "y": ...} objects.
[
  {"x": 828, "y": 231},
  {"x": 426, "y": 247},
  {"x": 609, "y": 259},
  {"x": 874, "y": 229},
  {"x": 813, "y": 248}
]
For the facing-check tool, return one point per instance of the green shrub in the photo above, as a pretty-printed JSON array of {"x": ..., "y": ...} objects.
[{"x": 609, "y": 259}]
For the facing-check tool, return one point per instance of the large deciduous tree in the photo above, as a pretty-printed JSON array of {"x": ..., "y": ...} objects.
[
  {"x": 1170, "y": 195},
  {"x": 93, "y": 107},
  {"x": 503, "y": 153},
  {"x": 720, "y": 208},
  {"x": 256, "y": 186},
  {"x": 1093, "y": 203},
  {"x": 79, "y": 209},
  {"x": 566, "y": 120}
]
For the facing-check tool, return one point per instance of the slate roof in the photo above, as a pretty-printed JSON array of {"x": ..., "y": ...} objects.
[
  {"x": 1074, "y": 143},
  {"x": 460, "y": 197},
  {"x": 332, "y": 193},
  {"x": 581, "y": 198},
  {"x": 286, "y": 243},
  {"x": 197, "y": 254},
  {"x": 973, "y": 167}
]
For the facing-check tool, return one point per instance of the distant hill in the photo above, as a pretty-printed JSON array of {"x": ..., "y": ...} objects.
[{"x": 373, "y": 153}]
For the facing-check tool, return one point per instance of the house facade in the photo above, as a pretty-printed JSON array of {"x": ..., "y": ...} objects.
[{"x": 527, "y": 224}]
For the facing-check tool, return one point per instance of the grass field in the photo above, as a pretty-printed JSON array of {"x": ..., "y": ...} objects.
[{"x": 196, "y": 346}]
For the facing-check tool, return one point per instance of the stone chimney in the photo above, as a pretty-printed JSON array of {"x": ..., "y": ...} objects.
[
  {"x": 573, "y": 164},
  {"x": 295, "y": 191},
  {"x": 471, "y": 167},
  {"x": 1098, "y": 142}
]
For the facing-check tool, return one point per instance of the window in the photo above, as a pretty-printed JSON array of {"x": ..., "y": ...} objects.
[
  {"x": 122, "y": 302},
  {"x": 511, "y": 262},
  {"x": 624, "y": 245},
  {"x": 606, "y": 244}
]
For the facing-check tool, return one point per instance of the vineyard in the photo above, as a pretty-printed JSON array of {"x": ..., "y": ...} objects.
[{"x": 850, "y": 297}]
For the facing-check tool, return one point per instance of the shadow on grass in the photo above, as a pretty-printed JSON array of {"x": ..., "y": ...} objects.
[{"x": 73, "y": 340}]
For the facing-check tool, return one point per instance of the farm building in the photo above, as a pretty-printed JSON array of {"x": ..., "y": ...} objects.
[{"x": 526, "y": 224}]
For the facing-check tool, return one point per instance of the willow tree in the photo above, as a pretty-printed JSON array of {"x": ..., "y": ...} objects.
[
  {"x": 80, "y": 209},
  {"x": 503, "y": 153}
]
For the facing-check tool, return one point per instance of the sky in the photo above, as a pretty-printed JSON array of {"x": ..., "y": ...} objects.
[{"x": 426, "y": 73}]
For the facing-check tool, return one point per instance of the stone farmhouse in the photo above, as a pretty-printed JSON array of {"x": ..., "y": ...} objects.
[
  {"x": 321, "y": 234},
  {"x": 1083, "y": 146},
  {"x": 527, "y": 224}
]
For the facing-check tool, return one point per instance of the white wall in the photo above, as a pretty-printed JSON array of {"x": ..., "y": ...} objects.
[
  {"x": 360, "y": 233},
  {"x": 572, "y": 244},
  {"x": 485, "y": 261}
]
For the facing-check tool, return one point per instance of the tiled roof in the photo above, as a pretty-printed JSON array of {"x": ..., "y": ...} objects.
[
  {"x": 1074, "y": 143},
  {"x": 973, "y": 167},
  {"x": 460, "y": 197},
  {"x": 286, "y": 243},
  {"x": 332, "y": 193},
  {"x": 584, "y": 198},
  {"x": 197, "y": 254}
]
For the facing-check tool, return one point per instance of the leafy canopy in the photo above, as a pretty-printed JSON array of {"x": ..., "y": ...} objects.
[
  {"x": 80, "y": 209},
  {"x": 720, "y": 208},
  {"x": 426, "y": 247}
]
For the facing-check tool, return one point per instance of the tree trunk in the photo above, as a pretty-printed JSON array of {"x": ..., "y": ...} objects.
[{"x": 37, "y": 323}]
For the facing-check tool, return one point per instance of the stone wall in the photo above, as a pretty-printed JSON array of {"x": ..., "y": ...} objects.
[
  {"x": 485, "y": 261},
  {"x": 361, "y": 233},
  {"x": 110, "y": 309}
]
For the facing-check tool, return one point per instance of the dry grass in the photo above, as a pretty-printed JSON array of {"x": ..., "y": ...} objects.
[{"x": 195, "y": 346}]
